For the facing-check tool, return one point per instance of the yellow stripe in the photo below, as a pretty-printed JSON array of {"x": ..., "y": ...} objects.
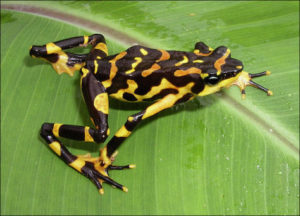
[
  {"x": 134, "y": 64},
  {"x": 130, "y": 118},
  {"x": 55, "y": 129},
  {"x": 143, "y": 51},
  {"x": 123, "y": 132},
  {"x": 160, "y": 105},
  {"x": 55, "y": 146},
  {"x": 204, "y": 75},
  {"x": 101, "y": 46},
  {"x": 86, "y": 40},
  {"x": 96, "y": 66},
  {"x": 185, "y": 60},
  {"x": 87, "y": 135},
  {"x": 84, "y": 73},
  {"x": 101, "y": 103},
  {"x": 105, "y": 159},
  {"x": 198, "y": 61},
  {"x": 52, "y": 48},
  {"x": 77, "y": 164},
  {"x": 132, "y": 86},
  {"x": 197, "y": 52},
  {"x": 149, "y": 71}
]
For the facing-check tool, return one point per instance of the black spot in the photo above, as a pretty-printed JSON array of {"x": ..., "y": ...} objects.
[
  {"x": 115, "y": 142},
  {"x": 69, "y": 43},
  {"x": 72, "y": 132},
  {"x": 185, "y": 98},
  {"x": 161, "y": 94},
  {"x": 96, "y": 52},
  {"x": 129, "y": 97}
]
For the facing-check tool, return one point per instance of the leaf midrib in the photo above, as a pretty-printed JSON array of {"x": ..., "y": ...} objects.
[{"x": 127, "y": 40}]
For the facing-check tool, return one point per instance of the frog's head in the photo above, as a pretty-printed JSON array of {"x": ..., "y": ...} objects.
[{"x": 227, "y": 71}]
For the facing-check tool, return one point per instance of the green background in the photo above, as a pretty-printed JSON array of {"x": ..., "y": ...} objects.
[{"x": 214, "y": 155}]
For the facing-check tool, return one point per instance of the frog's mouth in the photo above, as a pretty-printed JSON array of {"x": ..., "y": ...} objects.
[{"x": 245, "y": 79}]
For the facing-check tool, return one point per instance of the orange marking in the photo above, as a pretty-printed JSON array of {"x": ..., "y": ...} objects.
[
  {"x": 197, "y": 52},
  {"x": 154, "y": 67},
  {"x": 113, "y": 69},
  {"x": 192, "y": 70},
  {"x": 183, "y": 61},
  {"x": 164, "y": 55},
  {"x": 221, "y": 61}
]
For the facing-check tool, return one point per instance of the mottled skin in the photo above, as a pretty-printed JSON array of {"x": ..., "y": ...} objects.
[{"x": 137, "y": 74}]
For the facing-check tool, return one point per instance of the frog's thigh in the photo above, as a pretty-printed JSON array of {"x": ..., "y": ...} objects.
[
  {"x": 167, "y": 102},
  {"x": 96, "y": 99}
]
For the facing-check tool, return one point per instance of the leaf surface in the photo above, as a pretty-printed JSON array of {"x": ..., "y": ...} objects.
[{"x": 214, "y": 155}]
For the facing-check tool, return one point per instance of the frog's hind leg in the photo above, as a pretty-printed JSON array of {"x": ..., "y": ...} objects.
[
  {"x": 96, "y": 169},
  {"x": 85, "y": 164},
  {"x": 69, "y": 62}
]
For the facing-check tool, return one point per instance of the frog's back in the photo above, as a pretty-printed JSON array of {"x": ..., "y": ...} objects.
[{"x": 145, "y": 74}]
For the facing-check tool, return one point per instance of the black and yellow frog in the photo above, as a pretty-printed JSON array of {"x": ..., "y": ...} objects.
[{"x": 138, "y": 74}]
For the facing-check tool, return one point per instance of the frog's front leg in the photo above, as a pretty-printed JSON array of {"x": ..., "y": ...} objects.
[
  {"x": 68, "y": 62},
  {"x": 133, "y": 120},
  {"x": 109, "y": 152}
]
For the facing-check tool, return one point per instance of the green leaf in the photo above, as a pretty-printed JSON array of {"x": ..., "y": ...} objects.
[{"x": 214, "y": 155}]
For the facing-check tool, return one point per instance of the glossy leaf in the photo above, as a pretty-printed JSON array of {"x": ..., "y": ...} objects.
[{"x": 214, "y": 155}]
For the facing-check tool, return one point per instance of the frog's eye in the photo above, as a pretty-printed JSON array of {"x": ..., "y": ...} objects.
[{"x": 212, "y": 79}]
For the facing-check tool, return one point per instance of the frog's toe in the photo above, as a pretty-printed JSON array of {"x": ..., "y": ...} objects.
[
  {"x": 108, "y": 180},
  {"x": 129, "y": 166},
  {"x": 99, "y": 174}
]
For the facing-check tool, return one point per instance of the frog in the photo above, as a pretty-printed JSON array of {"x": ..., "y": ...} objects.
[{"x": 161, "y": 78}]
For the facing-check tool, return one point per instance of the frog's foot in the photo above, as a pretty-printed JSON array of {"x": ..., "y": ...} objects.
[
  {"x": 245, "y": 79},
  {"x": 67, "y": 63},
  {"x": 97, "y": 169}
]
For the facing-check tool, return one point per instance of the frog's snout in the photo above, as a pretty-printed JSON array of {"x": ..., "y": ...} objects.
[{"x": 36, "y": 51}]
